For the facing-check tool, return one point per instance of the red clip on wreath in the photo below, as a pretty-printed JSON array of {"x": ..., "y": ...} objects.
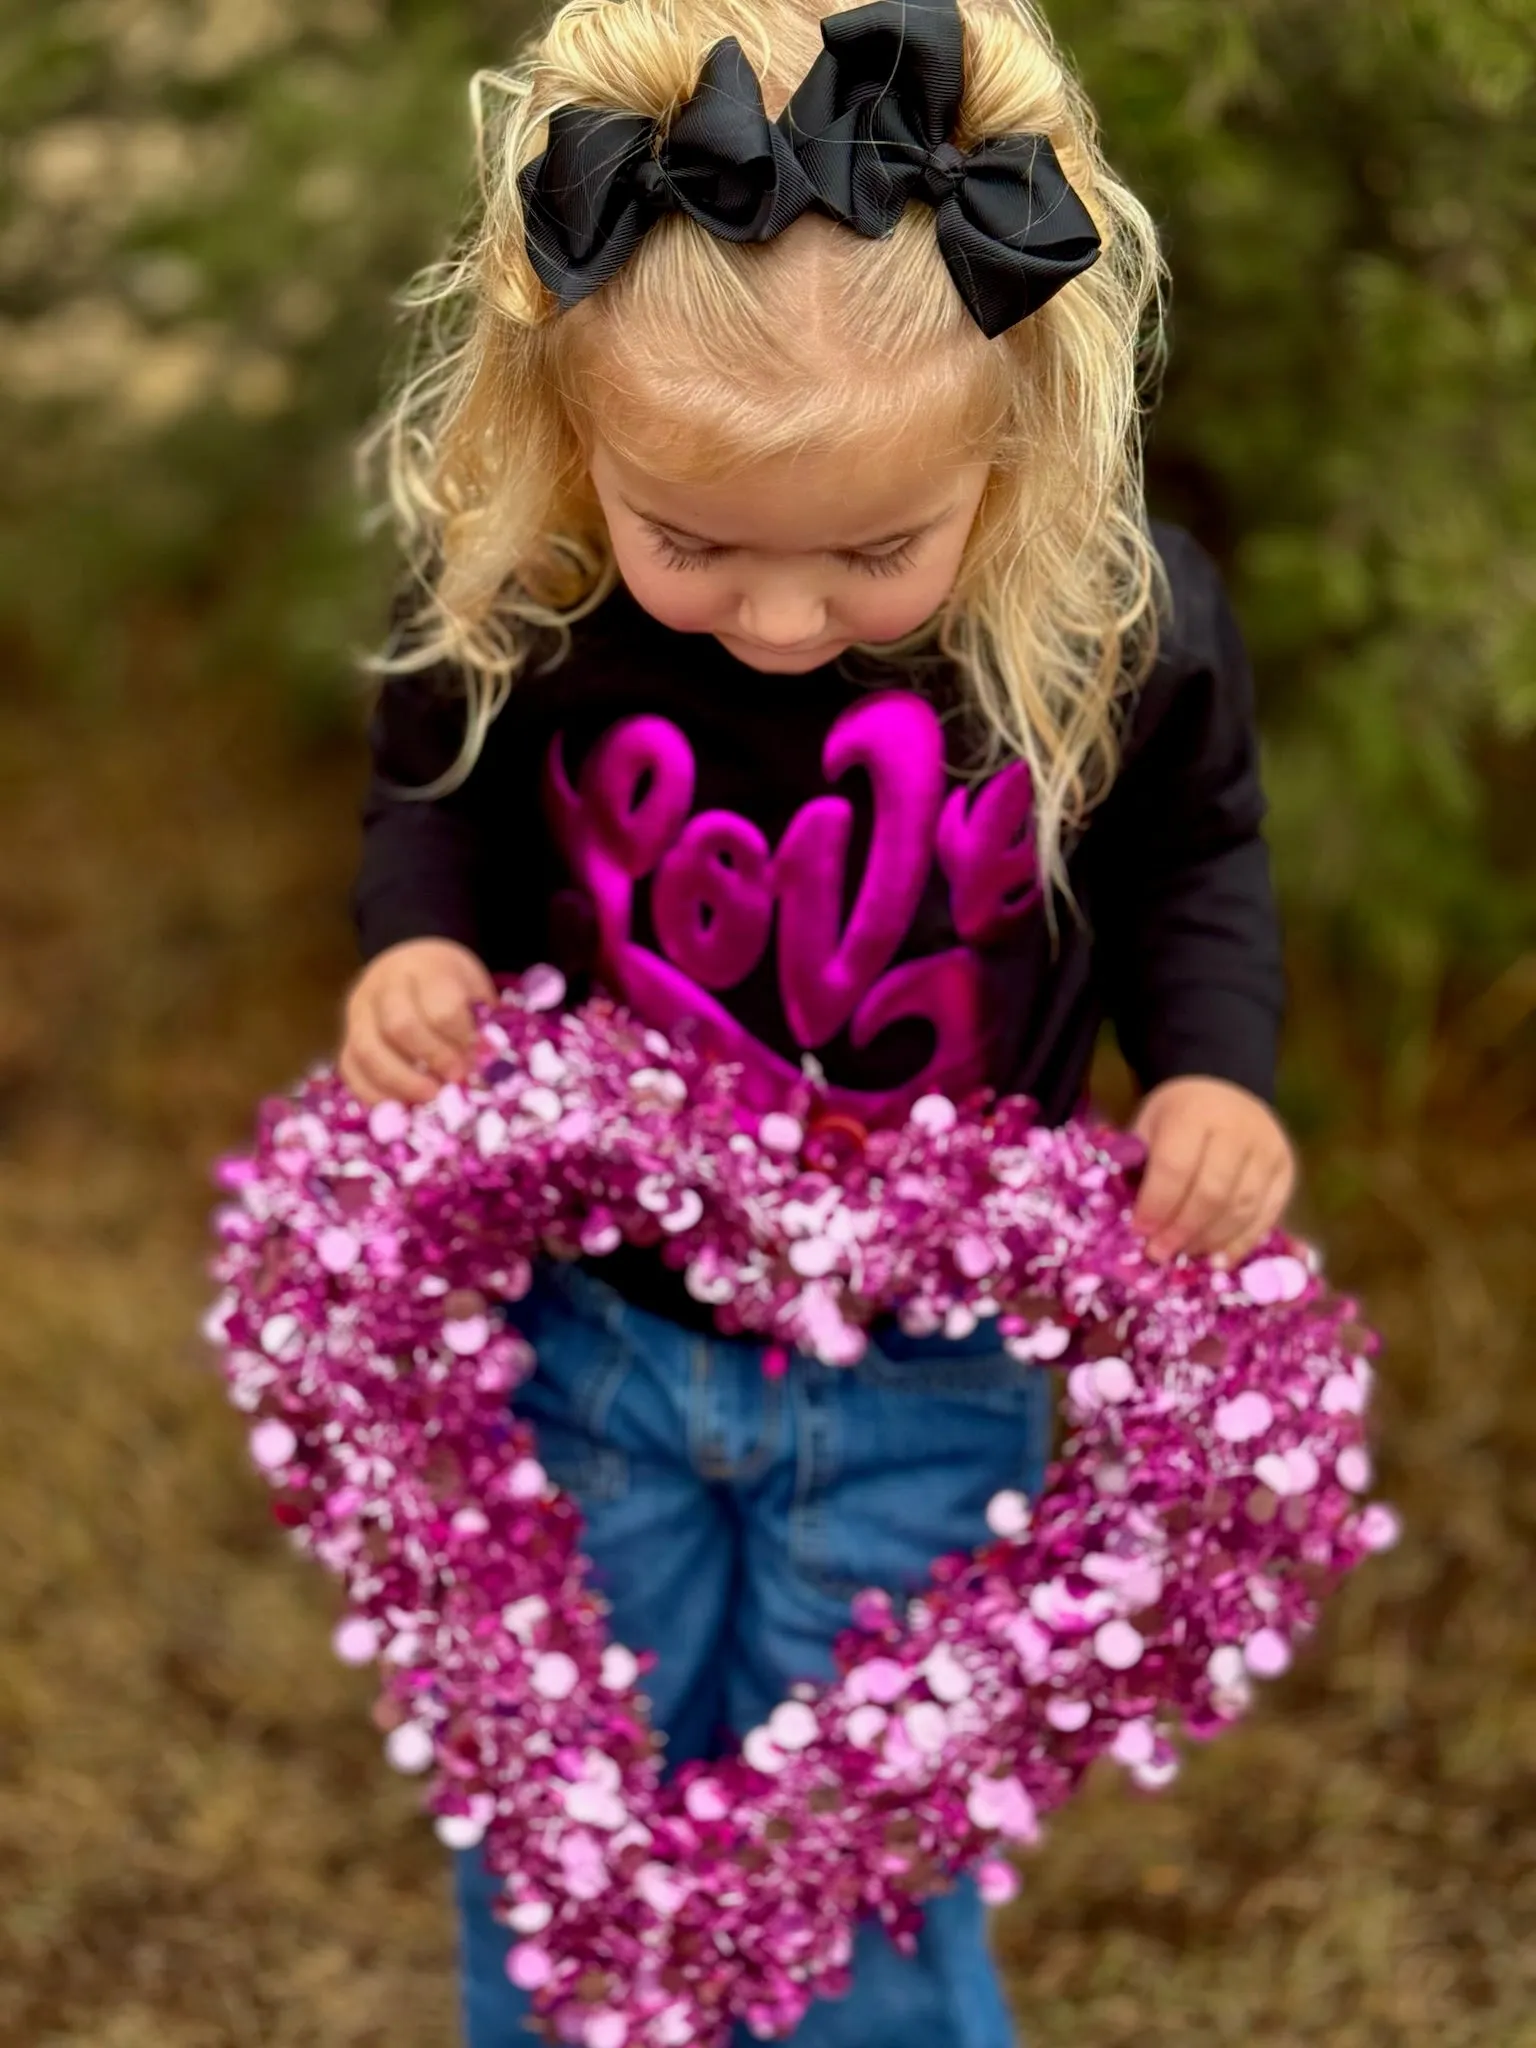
[{"x": 1209, "y": 1494}]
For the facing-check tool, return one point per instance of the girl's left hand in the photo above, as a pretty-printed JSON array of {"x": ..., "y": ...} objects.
[{"x": 1219, "y": 1172}]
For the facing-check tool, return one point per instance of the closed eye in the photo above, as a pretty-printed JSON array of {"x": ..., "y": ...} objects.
[
  {"x": 699, "y": 554},
  {"x": 890, "y": 563},
  {"x": 676, "y": 556}
]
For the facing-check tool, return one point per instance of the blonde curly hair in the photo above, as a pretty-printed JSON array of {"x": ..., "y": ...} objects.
[{"x": 713, "y": 355}]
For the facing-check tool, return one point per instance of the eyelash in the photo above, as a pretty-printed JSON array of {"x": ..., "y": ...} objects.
[
  {"x": 890, "y": 564},
  {"x": 677, "y": 557}
]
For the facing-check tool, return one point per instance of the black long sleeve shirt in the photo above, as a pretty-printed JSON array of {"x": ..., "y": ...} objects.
[{"x": 801, "y": 865}]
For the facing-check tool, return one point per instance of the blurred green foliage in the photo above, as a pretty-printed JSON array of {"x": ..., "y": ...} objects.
[
  {"x": 1348, "y": 190},
  {"x": 207, "y": 203}
]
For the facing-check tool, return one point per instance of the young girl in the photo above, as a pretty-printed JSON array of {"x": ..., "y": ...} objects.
[{"x": 790, "y": 654}]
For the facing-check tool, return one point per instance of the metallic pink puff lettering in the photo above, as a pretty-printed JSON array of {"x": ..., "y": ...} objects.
[
  {"x": 717, "y": 888},
  {"x": 824, "y": 973},
  {"x": 712, "y": 899},
  {"x": 986, "y": 847}
]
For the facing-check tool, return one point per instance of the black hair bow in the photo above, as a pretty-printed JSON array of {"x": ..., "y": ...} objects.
[
  {"x": 872, "y": 127},
  {"x": 606, "y": 178}
]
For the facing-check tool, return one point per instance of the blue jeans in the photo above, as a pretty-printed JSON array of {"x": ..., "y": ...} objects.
[{"x": 730, "y": 1518}]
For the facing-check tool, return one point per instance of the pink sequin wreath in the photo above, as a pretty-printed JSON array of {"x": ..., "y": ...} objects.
[{"x": 1210, "y": 1491}]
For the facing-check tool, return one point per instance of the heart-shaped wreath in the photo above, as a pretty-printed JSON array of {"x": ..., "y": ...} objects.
[{"x": 1209, "y": 1493}]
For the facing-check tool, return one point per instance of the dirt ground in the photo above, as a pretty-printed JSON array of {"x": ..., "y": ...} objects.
[{"x": 199, "y": 1844}]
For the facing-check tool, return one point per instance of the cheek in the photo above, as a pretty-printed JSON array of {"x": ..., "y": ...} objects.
[{"x": 888, "y": 608}]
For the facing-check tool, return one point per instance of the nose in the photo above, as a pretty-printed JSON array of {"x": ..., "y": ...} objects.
[{"x": 783, "y": 613}]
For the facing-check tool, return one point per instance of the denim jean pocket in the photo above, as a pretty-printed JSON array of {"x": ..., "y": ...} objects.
[{"x": 583, "y": 1359}]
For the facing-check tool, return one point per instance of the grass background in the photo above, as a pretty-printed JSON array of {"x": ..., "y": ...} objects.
[{"x": 203, "y": 208}]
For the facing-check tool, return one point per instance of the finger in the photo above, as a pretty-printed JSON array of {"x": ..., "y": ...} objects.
[
  {"x": 361, "y": 1081},
  {"x": 1203, "y": 1203},
  {"x": 444, "y": 1008},
  {"x": 1271, "y": 1207},
  {"x": 1224, "y": 1232},
  {"x": 1276, "y": 1183},
  {"x": 352, "y": 1074},
  {"x": 478, "y": 985},
  {"x": 404, "y": 1029},
  {"x": 1173, "y": 1164},
  {"x": 387, "y": 1071},
  {"x": 384, "y": 1081}
]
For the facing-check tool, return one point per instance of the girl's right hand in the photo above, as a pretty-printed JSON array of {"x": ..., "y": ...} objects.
[{"x": 409, "y": 1026}]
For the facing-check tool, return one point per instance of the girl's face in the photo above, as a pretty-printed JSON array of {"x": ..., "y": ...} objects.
[{"x": 791, "y": 562}]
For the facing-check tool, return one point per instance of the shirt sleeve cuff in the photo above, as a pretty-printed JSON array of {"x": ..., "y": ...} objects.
[
  {"x": 385, "y": 919},
  {"x": 1220, "y": 1034}
]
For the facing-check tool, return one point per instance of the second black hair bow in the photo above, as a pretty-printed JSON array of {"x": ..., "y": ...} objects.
[
  {"x": 606, "y": 178},
  {"x": 872, "y": 127}
]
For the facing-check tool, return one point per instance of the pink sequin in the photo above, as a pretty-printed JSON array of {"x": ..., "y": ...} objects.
[
  {"x": 884, "y": 1680},
  {"x": 621, "y": 1667},
  {"x": 866, "y": 1725},
  {"x": 527, "y": 1480},
  {"x": 543, "y": 988},
  {"x": 1008, "y": 1515},
  {"x": 1343, "y": 1395},
  {"x": 1240, "y": 1420},
  {"x": 409, "y": 1747},
  {"x": 793, "y": 1726},
  {"x": 1118, "y": 1645},
  {"x": 529, "y": 1966},
  {"x": 946, "y": 1677},
  {"x": 1113, "y": 1380},
  {"x": 388, "y": 1121},
  {"x": 356, "y": 1640},
  {"x": 555, "y": 1676},
  {"x": 1380, "y": 1528},
  {"x": 273, "y": 1445},
  {"x": 1353, "y": 1467},
  {"x": 705, "y": 1801},
  {"x": 974, "y": 1257},
  {"x": 1068, "y": 1715},
  {"x": 337, "y": 1249},
  {"x": 813, "y": 1257},
  {"x": 1267, "y": 1653},
  {"x": 1271, "y": 1280},
  {"x": 934, "y": 1114},
  {"x": 1135, "y": 1743}
]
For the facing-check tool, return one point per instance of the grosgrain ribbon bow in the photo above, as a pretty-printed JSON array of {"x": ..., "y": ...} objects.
[
  {"x": 606, "y": 178},
  {"x": 871, "y": 127},
  {"x": 868, "y": 131}
]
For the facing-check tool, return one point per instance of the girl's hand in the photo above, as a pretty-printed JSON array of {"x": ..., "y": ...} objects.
[
  {"x": 1220, "y": 1169},
  {"x": 409, "y": 1027}
]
